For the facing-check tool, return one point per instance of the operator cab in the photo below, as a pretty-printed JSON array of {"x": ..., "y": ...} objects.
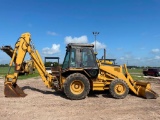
[{"x": 80, "y": 57}]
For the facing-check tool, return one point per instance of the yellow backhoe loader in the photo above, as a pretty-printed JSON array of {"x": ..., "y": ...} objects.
[
  {"x": 79, "y": 73},
  {"x": 27, "y": 66}
]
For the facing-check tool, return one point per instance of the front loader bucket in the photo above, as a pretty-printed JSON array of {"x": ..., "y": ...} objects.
[
  {"x": 13, "y": 90},
  {"x": 144, "y": 90}
]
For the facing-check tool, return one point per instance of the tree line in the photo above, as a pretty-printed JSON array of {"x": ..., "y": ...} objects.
[
  {"x": 49, "y": 64},
  {"x": 4, "y": 65}
]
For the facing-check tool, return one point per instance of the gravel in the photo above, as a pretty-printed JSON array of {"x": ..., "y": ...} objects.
[{"x": 42, "y": 103}]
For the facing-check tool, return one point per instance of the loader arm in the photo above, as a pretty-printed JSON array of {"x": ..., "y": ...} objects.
[
  {"x": 23, "y": 46},
  {"x": 139, "y": 88}
]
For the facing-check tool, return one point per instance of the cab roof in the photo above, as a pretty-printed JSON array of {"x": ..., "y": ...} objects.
[{"x": 79, "y": 45}]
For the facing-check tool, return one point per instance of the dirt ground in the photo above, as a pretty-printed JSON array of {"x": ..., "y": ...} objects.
[{"x": 42, "y": 103}]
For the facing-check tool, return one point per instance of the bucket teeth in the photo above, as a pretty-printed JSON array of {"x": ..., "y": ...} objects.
[
  {"x": 150, "y": 94},
  {"x": 144, "y": 90},
  {"x": 13, "y": 90}
]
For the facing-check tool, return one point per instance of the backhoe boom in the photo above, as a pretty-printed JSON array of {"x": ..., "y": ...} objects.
[{"x": 23, "y": 46}]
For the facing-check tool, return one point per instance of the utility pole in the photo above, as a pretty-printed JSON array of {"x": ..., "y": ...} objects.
[{"x": 95, "y": 34}]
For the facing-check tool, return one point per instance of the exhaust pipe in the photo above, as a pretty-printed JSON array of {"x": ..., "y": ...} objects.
[{"x": 104, "y": 55}]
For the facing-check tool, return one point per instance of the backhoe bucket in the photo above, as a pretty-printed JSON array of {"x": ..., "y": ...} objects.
[
  {"x": 144, "y": 90},
  {"x": 13, "y": 90}
]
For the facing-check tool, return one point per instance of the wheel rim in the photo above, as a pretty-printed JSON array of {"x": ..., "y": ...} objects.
[
  {"x": 120, "y": 89},
  {"x": 77, "y": 87}
]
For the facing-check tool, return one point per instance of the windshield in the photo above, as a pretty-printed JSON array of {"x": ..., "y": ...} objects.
[{"x": 66, "y": 61}]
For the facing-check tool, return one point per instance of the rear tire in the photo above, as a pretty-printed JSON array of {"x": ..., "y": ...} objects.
[
  {"x": 145, "y": 74},
  {"x": 118, "y": 89},
  {"x": 76, "y": 86},
  {"x": 156, "y": 74}
]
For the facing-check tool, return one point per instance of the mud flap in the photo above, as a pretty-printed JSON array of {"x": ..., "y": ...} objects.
[{"x": 13, "y": 90}]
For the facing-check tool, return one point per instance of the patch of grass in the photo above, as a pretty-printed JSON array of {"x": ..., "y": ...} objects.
[
  {"x": 23, "y": 77},
  {"x": 137, "y": 74},
  {"x": 138, "y": 70},
  {"x": 4, "y": 71},
  {"x": 137, "y": 77}
]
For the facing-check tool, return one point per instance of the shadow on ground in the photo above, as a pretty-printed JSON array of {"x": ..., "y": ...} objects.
[
  {"x": 61, "y": 94},
  {"x": 98, "y": 93},
  {"x": 56, "y": 93},
  {"x": 92, "y": 94}
]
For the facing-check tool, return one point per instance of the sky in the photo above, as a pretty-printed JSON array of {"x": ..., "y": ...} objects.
[{"x": 129, "y": 30}]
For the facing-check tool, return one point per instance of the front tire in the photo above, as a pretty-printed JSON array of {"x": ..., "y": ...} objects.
[
  {"x": 118, "y": 89},
  {"x": 76, "y": 86}
]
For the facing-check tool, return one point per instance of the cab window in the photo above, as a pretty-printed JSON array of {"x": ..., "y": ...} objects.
[
  {"x": 88, "y": 58},
  {"x": 73, "y": 58},
  {"x": 66, "y": 61}
]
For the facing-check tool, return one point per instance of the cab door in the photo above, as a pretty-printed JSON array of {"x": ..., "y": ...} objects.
[{"x": 88, "y": 62}]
